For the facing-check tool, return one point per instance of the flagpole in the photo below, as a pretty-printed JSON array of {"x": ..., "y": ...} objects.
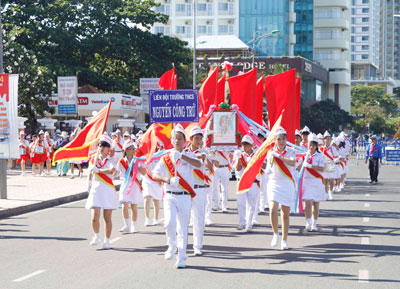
[
  {"x": 194, "y": 43},
  {"x": 3, "y": 162},
  {"x": 173, "y": 137}
]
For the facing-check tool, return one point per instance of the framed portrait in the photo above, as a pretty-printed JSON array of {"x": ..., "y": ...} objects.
[{"x": 224, "y": 125}]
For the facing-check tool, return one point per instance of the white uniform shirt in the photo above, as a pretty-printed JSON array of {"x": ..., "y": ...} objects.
[
  {"x": 273, "y": 170},
  {"x": 183, "y": 168},
  {"x": 50, "y": 143},
  {"x": 318, "y": 160},
  {"x": 202, "y": 168},
  {"x": 23, "y": 146},
  {"x": 116, "y": 147},
  {"x": 220, "y": 159},
  {"x": 247, "y": 158},
  {"x": 40, "y": 149}
]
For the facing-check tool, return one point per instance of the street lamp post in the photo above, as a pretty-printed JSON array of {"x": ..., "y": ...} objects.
[
  {"x": 3, "y": 162},
  {"x": 194, "y": 43},
  {"x": 259, "y": 38}
]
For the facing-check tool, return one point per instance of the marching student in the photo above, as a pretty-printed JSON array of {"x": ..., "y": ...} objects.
[
  {"x": 51, "y": 146},
  {"x": 339, "y": 164},
  {"x": 23, "y": 151},
  {"x": 133, "y": 197},
  {"x": 78, "y": 163},
  {"x": 102, "y": 194},
  {"x": 330, "y": 167},
  {"x": 209, "y": 171},
  {"x": 304, "y": 136},
  {"x": 281, "y": 185},
  {"x": 313, "y": 183},
  {"x": 40, "y": 154},
  {"x": 152, "y": 190},
  {"x": 31, "y": 153},
  {"x": 374, "y": 156},
  {"x": 222, "y": 174},
  {"x": 246, "y": 201},
  {"x": 175, "y": 170},
  {"x": 263, "y": 200},
  {"x": 117, "y": 147},
  {"x": 298, "y": 138},
  {"x": 200, "y": 185}
]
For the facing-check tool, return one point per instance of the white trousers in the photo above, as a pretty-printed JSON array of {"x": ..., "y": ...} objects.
[
  {"x": 209, "y": 197},
  {"x": 257, "y": 205},
  {"x": 247, "y": 206},
  {"x": 263, "y": 193},
  {"x": 177, "y": 215},
  {"x": 198, "y": 217},
  {"x": 221, "y": 176}
]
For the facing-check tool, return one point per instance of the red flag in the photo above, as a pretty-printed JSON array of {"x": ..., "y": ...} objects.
[
  {"x": 175, "y": 82},
  {"x": 280, "y": 90},
  {"x": 167, "y": 79},
  {"x": 221, "y": 89},
  {"x": 298, "y": 93},
  {"x": 260, "y": 100},
  {"x": 243, "y": 92},
  {"x": 78, "y": 148},
  {"x": 254, "y": 166},
  {"x": 208, "y": 91}
]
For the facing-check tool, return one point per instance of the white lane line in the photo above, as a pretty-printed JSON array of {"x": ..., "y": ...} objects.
[
  {"x": 363, "y": 276},
  {"x": 364, "y": 241},
  {"x": 115, "y": 240},
  {"x": 365, "y": 220},
  {"x": 367, "y": 205},
  {"x": 367, "y": 195},
  {"x": 23, "y": 278}
]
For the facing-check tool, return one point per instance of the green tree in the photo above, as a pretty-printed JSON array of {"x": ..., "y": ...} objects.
[
  {"x": 372, "y": 96},
  {"x": 324, "y": 115}
]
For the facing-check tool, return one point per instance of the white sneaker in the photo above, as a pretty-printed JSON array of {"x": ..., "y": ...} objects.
[
  {"x": 342, "y": 186},
  {"x": 209, "y": 222},
  {"x": 241, "y": 227},
  {"x": 169, "y": 254},
  {"x": 330, "y": 196},
  {"x": 180, "y": 264},
  {"x": 22, "y": 174},
  {"x": 95, "y": 241},
  {"x": 314, "y": 228},
  {"x": 284, "y": 245},
  {"x": 275, "y": 240},
  {"x": 190, "y": 225},
  {"x": 255, "y": 223},
  {"x": 156, "y": 222},
  {"x": 147, "y": 222},
  {"x": 133, "y": 229},
  {"x": 336, "y": 189},
  {"x": 72, "y": 177},
  {"x": 124, "y": 229},
  {"x": 42, "y": 174},
  {"x": 308, "y": 227},
  {"x": 197, "y": 252},
  {"x": 248, "y": 229},
  {"x": 224, "y": 210},
  {"x": 106, "y": 245}
]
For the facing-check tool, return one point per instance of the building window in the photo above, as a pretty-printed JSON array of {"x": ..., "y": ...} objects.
[
  {"x": 225, "y": 29},
  {"x": 364, "y": 38},
  {"x": 223, "y": 6},
  {"x": 180, "y": 7},
  {"x": 365, "y": 10},
  {"x": 202, "y": 6},
  {"x": 364, "y": 56},
  {"x": 365, "y": 19},
  {"x": 180, "y": 30},
  {"x": 365, "y": 1},
  {"x": 365, "y": 29},
  {"x": 328, "y": 55},
  {"x": 328, "y": 13},
  {"x": 326, "y": 34},
  {"x": 202, "y": 29},
  {"x": 364, "y": 47}
]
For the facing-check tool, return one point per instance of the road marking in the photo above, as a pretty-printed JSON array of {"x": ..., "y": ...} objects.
[
  {"x": 365, "y": 220},
  {"x": 115, "y": 240},
  {"x": 364, "y": 241},
  {"x": 363, "y": 276},
  {"x": 29, "y": 275},
  {"x": 367, "y": 205},
  {"x": 367, "y": 195}
]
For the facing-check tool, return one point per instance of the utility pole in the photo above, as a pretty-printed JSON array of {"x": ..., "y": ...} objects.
[{"x": 3, "y": 162}]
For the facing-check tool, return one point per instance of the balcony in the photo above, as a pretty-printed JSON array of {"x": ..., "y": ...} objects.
[
  {"x": 332, "y": 44},
  {"x": 292, "y": 17},
  {"x": 332, "y": 23},
  {"x": 344, "y": 4},
  {"x": 335, "y": 64},
  {"x": 339, "y": 77}
]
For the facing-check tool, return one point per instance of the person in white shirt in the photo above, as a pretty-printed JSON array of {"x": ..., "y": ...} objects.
[
  {"x": 51, "y": 147},
  {"x": 221, "y": 178},
  {"x": 313, "y": 183},
  {"x": 330, "y": 166},
  {"x": 23, "y": 151},
  {"x": 247, "y": 201},
  {"x": 40, "y": 154},
  {"x": 117, "y": 147},
  {"x": 281, "y": 185},
  {"x": 102, "y": 193},
  {"x": 129, "y": 198},
  {"x": 175, "y": 170}
]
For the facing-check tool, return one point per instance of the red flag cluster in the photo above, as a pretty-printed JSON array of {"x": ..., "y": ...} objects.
[{"x": 212, "y": 91}]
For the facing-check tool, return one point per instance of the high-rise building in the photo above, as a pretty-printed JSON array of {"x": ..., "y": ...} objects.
[
  {"x": 332, "y": 46},
  {"x": 257, "y": 20},
  {"x": 214, "y": 17},
  {"x": 304, "y": 28},
  {"x": 365, "y": 37}
]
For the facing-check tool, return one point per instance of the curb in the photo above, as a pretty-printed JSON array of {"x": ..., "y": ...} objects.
[{"x": 44, "y": 204}]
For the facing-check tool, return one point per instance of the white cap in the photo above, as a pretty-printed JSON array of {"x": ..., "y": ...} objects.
[
  {"x": 327, "y": 134},
  {"x": 313, "y": 137},
  {"x": 128, "y": 144},
  {"x": 195, "y": 130},
  {"x": 297, "y": 132},
  {"x": 280, "y": 130},
  {"x": 105, "y": 137},
  {"x": 127, "y": 134},
  {"x": 305, "y": 130},
  {"x": 178, "y": 128},
  {"x": 113, "y": 134},
  {"x": 58, "y": 131},
  {"x": 64, "y": 134},
  {"x": 118, "y": 131},
  {"x": 320, "y": 136},
  {"x": 133, "y": 136},
  {"x": 336, "y": 141},
  {"x": 247, "y": 139},
  {"x": 46, "y": 133},
  {"x": 21, "y": 132},
  {"x": 41, "y": 132},
  {"x": 320, "y": 142}
]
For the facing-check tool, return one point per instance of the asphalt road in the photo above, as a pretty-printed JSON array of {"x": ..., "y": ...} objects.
[{"x": 358, "y": 246}]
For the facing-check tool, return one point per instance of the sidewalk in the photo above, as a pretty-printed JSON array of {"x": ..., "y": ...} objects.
[{"x": 30, "y": 193}]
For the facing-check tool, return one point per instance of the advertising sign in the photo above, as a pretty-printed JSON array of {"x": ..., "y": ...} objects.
[
  {"x": 392, "y": 155},
  {"x": 67, "y": 87}
]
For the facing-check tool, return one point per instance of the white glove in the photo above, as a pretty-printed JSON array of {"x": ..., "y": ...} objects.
[
  {"x": 175, "y": 155},
  {"x": 307, "y": 165},
  {"x": 237, "y": 154},
  {"x": 276, "y": 154},
  {"x": 174, "y": 181},
  {"x": 89, "y": 185},
  {"x": 95, "y": 169}
]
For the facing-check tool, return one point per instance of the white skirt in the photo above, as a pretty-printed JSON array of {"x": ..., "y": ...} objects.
[
  {"x": 281, "y": 191},
  {"x": 102, "y": 196},
  {"x": 134, "y": 197},
  {"x": 313, "y": 190},
  {"x": 75, "y": 162},
  {"x": 152, "y": 189}
]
